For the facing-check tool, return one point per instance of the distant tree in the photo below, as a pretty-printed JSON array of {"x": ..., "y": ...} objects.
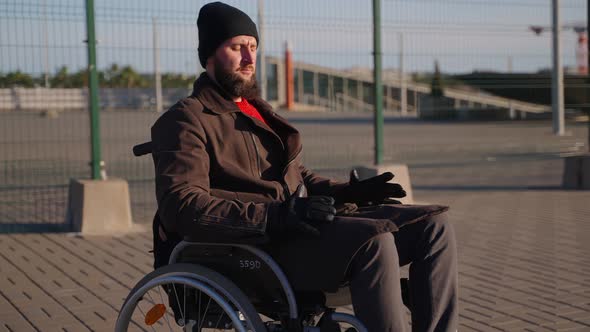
[
  {"x": 437, "y": 82},
  {"x": 125, "y": 77},
  {"x": 112, "y": 77},
  {"x": 170, "y": 80},
  {"x": 60, "y": 79},
  {"x": 63, "y": 79},
  {"x": 106, "y": 77},
  {"x": 16, "y": 79}
]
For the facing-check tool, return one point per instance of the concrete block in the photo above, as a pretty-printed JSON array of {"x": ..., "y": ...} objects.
[
  {"x": 99, "y": 207},
  {"x": 402, "y": 176},
  {"x": 576, "y": 172}
]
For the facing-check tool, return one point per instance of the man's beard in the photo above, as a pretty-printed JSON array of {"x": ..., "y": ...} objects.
[{"x": 235, "y": 85}]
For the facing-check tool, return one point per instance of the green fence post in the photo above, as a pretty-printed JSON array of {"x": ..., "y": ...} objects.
[
  {"x": 378, "y": 86},
  {"x": 96, "y": 163}
]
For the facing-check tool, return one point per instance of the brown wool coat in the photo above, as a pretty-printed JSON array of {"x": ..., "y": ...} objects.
[{"x": 222, "y": 175}]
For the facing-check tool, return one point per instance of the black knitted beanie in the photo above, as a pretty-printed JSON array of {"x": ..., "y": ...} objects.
[{"x": 218, "y": 22}]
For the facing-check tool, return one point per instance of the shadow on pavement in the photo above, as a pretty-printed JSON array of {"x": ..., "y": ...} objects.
[
  {"x": 34, "y": 228},
  {"x": 487, "y": 188}
]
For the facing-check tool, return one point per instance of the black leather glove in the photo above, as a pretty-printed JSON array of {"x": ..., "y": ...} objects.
[
  {"x": 375, "y": 190},
  {"x": 301, "y": 214}
]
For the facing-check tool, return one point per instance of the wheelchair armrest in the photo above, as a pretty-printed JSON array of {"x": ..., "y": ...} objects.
[{"x": 142, "y": 149}]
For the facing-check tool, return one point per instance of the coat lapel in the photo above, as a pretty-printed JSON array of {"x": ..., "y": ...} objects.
[
  {"x": 287, "y": 133},
  {"x": 218, "y": 102}
]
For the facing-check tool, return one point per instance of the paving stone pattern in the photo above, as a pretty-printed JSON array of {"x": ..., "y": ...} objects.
[
  {"x": 523, "y": 246},
  {"x": 524, "y": 266}
]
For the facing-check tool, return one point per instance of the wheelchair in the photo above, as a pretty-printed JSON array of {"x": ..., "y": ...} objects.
[{"x": 228, "y": 287}]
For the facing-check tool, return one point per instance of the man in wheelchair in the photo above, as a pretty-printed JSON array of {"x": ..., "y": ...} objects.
[{"x": 229, "y": 169}]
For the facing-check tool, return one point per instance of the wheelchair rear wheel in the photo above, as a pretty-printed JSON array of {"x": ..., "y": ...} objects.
[{"x": 187, "y": 297}]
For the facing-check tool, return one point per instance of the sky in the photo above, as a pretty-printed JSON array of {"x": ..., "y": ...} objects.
[{"x": 462, "y": 35}]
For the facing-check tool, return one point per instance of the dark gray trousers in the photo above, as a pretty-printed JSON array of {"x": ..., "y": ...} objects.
[{"x": 429, "y": 247}]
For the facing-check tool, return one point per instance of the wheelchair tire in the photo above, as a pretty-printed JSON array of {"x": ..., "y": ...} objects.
[{"x": 147, "y": 308}]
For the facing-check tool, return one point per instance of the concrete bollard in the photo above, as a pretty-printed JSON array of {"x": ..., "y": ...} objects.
[
  {"x": 402, "y": 176},
  {"x": 99, "y": 207}
]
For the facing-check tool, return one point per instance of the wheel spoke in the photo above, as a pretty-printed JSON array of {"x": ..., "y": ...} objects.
[
  {"x": 143, "y": 316},
  {"x": 209, "y": 302},
  {"x": 162, "y": 299},
  {"x": 205, "y": 314},
  {"x": 182, "y": 312},
  {"x": 199, "y": 310},
  {"x": 219, "y": 319},
  {"x": 184, "y": 302},
  {"x": 151, "y": 298}
]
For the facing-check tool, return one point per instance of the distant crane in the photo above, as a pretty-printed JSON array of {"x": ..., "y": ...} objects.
[{"x": 581, "y": 48}]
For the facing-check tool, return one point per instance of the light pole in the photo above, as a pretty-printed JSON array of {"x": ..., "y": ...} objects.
[
  {"x": 402, "y": 81},
  {"x": 557, "y": 70},
  {"x": 261, "y": 65},
  {"x": 377, "y": 84},
  {"x": 157, "y": 74},
  {"x": 46, "y": 46},
  {"x": 557, "y": 76}
]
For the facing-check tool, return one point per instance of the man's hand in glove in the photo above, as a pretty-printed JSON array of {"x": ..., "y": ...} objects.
[
  {"x": 375, "y": 190},
  {"x": 301, "y": 214}
]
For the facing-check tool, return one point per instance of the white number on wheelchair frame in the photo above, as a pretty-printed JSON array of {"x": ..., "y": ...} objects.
[{"x": 249, "y": 264}]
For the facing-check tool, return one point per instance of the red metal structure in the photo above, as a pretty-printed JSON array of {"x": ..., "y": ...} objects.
[{"x": 581, "y": 47}]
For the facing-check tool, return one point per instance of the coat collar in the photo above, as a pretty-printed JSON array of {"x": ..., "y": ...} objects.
[
  {"x": 218, "y": 102},
  {"x": 212, "y": 96}
]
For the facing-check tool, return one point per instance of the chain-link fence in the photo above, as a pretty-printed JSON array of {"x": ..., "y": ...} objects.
[{"x": 449, "y": 59}]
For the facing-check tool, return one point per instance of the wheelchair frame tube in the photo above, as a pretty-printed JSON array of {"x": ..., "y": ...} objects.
[
  {"x": 289, "y": 293},
  {"x": 350, "y": 319}
]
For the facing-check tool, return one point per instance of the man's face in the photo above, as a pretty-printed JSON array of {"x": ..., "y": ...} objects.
[{"x": 234, "y": 65}]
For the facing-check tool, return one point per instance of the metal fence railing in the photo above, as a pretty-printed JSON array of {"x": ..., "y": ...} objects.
[{"x": 486, "y": 54}]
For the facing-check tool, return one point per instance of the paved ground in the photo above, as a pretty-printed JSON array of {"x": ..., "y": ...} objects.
[
  {"x": 523, "y": 241},
  {"x": 39, "y": 156},
  {"x": 523, "y": 250},
  {"x": 523, "y": 259}
]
